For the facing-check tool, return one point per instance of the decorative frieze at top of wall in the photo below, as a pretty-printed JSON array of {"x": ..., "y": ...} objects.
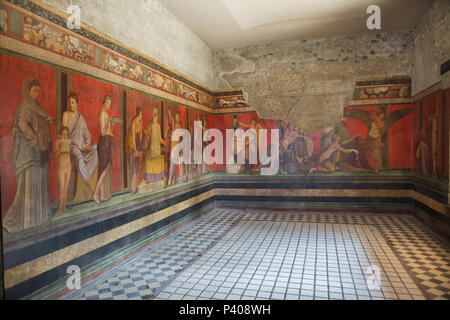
[
  {"x": 27, "y": 21},
  {"x": 382, "y": 90}
]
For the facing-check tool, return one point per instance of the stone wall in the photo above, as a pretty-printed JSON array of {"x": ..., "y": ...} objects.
[
  {"x": 431, "y": 46},
  {"x": 147, "y": 26},
  {"x": 310, "y": 81}
]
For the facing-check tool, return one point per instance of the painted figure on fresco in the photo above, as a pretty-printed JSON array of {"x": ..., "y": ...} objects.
[
  {"x": 296, "y": 149},
  {"x": 168, "y": 137},
  {"x": 105, "y": 151},
  {"x": 235, "y": 122},
  {"x": 330, "y": 157},
  {"x": 421, "y": 151},
  {"x": 239, "y": 151},
  {"x": 378, "y": 127},
  {"x": 3, "y": 20},
  {"x": 374, "y": 141},
  {"x": 63, "y": 146},
  {"x": 153, "y": 161},
  {"x": 58, "y": 41},
  {"x": 255, "y": 126},
  {"x": 83, "y": 154},
  {"x": 32, "y": 148},
  {"x": 194, "y": 170},
  {"x": 168, "y": 85},
  {"x": 205, "y": 167},
  {"x": 434, "y": 140},
  {"x": 135, "y": 144},
  {"x": 235, "y": 168},
  {"x": 176, "y": 124}
]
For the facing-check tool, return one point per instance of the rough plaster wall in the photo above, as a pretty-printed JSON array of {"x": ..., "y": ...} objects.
[
  {"x": 431, "y": 45},
  {"x": 309, "y": 82},
  {"x": 150, "y": 28}
]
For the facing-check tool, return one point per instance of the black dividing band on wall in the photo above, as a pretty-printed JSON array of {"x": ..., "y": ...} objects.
[
  {"x": 63, "y": 93},
  {"x": 124, "y": 134}
]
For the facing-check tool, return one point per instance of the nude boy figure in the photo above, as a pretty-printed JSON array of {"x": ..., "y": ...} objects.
[
  {"x": 421, "y": 151},
  {"x": 64, "y": 166}
]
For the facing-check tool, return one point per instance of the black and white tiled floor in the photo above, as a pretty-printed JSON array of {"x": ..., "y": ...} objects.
[{"x": 251, "y": 254}]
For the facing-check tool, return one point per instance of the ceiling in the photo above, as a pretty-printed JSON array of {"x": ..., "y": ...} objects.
[{"x": 239, "y": 23}]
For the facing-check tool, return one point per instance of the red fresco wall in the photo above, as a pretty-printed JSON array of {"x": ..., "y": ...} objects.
[
  {"x": 417, "y": 125},
  {"x": 422, "y": 117},
  {"x": 90, "y": 94},
  {"x": 14, "y": 71},
  {"x": 446, "y": 131},
  {"x": 401, "y": 141},
  {"x": 403, "y": 135},
  {"x": 354, "y": 126}
]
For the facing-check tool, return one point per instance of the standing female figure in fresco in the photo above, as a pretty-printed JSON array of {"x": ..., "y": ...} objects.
[
  {"x": 168, "y": 137},
  {"x": 83, "y": 154},
  {"x": 373, "y": 142},
  {"x": 205, "y": 167},
  {"x": 105, "y": 150},
  {"x": 182, "y": 177},
  {"x": 32, "y": 148},
  {"x": 134, "y": 146},
  {"x": 434, "y": 140},
  {"x": 153, "y": 162}
]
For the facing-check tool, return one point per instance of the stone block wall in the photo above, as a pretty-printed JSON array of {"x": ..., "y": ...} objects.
[{"x": 309, "y": 82}]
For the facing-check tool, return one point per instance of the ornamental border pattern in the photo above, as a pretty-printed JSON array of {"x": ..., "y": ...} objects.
[{"x": 43, "y": 29}]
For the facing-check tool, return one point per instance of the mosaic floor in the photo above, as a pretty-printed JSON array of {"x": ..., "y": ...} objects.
[{"x": 253, "y": 254}]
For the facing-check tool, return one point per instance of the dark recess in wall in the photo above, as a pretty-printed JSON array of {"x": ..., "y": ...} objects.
[{"x": 445, "y": 67}]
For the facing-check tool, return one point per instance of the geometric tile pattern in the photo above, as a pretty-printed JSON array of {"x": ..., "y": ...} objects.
[
  {"x": 155, "y": 266},
  {"x": 295, "y": 261},
  {"x": 426, "y": 258},
  {"x": 422, "y": 259}
]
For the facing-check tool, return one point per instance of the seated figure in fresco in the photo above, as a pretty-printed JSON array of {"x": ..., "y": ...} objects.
[
  {"x": 105, "y": 151},
  {"x": 153, "y": 173},
  {"x": 83, "y": 154},
  {"x": 32, "y": 148},
  {"x": 135, "y": 144}
]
